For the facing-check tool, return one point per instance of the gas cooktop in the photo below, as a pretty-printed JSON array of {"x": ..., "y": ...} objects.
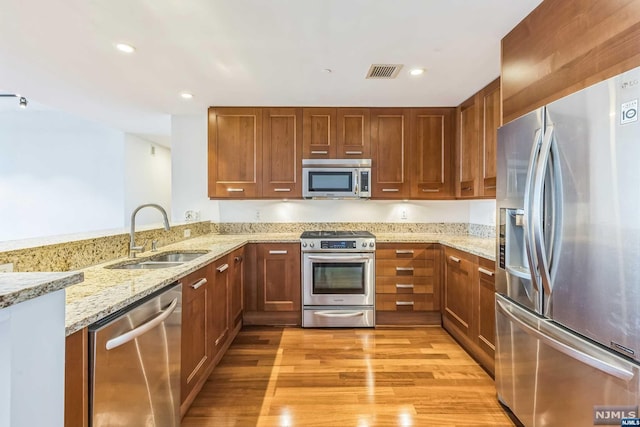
[{"x": 336, "y": 234}]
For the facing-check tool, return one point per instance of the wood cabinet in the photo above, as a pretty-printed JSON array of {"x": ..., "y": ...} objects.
[
  {"x": 485, "y": 284},
  {"x": 236, "y": 284},
  {"x": 218, "y": 301},
  {"x": 478, "y": 121},
  {"x": 196, "y": 321},
  {"x": 431, "y": 152},
  {"x": 341, "y": 133},
  {"x": 566, "y": 46},
  {"x": 282, "y": 153},
  {"x": 235, "y": 152},
  {"x": 272, "y": 286},
  {"x": 469, "y": 304},
  {"x": 76, "y": 380},
  {"x": 389, "y": 153},
  {"x": 407, "y": 284}
]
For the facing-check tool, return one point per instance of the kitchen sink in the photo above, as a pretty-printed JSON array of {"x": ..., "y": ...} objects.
[{"x": 163, "y": 260}]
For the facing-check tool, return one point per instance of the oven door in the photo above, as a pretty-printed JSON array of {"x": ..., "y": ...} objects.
[{"x": 338, "y": 279}]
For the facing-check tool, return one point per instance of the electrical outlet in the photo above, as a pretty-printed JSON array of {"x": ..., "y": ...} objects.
[
  {"x": 189, "y": 216},
  {"x": 403, "y": 214},
  {"x": 6, "y": 268},
  {"x": 258, "y": 214},
  {"x": 187, "y": 232}
]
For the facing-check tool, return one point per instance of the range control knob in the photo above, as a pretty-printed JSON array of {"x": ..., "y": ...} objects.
[
  {"x": 304, "y": 244},
  {"x": 371, "y": 244},
  {"x": 311, "y": 244},
  {"x": 364, "y": 244}
]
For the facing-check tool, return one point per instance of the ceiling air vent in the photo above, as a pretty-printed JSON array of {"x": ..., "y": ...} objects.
[{"x": 384, "y": 71}]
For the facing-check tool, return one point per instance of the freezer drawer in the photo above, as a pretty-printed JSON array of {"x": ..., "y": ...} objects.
[
  {"x": 135, "y": 364},
  {"x": 549, "y": 376}
]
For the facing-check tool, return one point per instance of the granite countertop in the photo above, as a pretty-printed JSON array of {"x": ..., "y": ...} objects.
[
  {"x": 105, "y": 291},
  {"x": 19, "y": 287}
]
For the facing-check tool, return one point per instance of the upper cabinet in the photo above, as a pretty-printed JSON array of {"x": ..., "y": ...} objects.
[
  {"x": 331, "y": 133},
  {"x": 353, "y": 133},
  {"x": 431, "y": 148},
  {"x": 389, "y": 153},
  {"x": 282, "y": 153},
  {"x": 478, "y": 121},
  {"x": 235, "y": 152}
]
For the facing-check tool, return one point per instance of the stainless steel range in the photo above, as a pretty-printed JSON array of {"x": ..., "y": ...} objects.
[{"x": 338, "y": 279}]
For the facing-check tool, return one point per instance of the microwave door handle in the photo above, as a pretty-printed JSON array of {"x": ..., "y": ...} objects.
[{"x": 357, "y": 179}]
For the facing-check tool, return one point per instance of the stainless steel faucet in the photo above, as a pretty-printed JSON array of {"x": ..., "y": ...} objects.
[{"x": 132, "y": 239}]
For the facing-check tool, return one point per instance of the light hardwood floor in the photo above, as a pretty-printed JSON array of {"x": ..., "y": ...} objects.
[{"x": 351, "y": 377}]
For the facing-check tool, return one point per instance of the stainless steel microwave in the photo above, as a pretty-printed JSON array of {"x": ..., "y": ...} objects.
[{"x": 336, "y": 178}]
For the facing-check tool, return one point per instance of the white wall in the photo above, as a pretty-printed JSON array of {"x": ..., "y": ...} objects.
[
  {"x": 482, "y": 212},
  {"x": 189, "y": 168},
  {"x": 58, "y": 175},
  {"x": 147, "y": 179}
]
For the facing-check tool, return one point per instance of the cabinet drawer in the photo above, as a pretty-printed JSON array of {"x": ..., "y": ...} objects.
[
  {"x": 404, "y": 268},
  {"x": 404, "y": 285},
  {"x": 401, "y": 253},
  {"x": 193, "y": 283},
  {"x": 405, "y": 302}
]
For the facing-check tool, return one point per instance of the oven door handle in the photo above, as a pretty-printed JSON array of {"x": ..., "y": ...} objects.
[
  {"x": 338, "y": 259},
  {"x": 336, "y": 313}
]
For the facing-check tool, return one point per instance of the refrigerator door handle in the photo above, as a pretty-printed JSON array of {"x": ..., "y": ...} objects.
[
  {"x": 537, "y": 212},
  {"x": 583, "y": 357},
  {"x": 528, "y": 190}
]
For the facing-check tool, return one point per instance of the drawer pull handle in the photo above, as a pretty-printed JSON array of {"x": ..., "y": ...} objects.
[
  {"x": 399, "y": 252},
  {"x": 199, "y": 283},
  {"x": 485, "y": 271},
  {"x": 404, "y": 268},
  {"x": 222, "y": 268},
  {"x": 278, "y": 252},
  {"x": 390, "y": 190},
  {"x": 454, "y": 259},
  {"x": 467, "y": 188},
  {"x": 404, "y": 286},
  {"x": 319, "y": 152},
  {"x": 235, "y": 190},
  {"x": 404, "y": 302},
  {"x": 353, "y": 152},
  {"x": 430, "y": 190},
  {"x": 281, "y": 190}
]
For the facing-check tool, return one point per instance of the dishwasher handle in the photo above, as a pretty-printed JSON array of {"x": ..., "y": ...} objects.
[{"x": 142, "y": 329}]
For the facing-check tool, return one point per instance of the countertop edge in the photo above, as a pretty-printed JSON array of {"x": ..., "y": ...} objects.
[{"x": 33, "y": 285}]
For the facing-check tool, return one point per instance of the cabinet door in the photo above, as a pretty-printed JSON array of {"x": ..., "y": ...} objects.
[
  {"x": 431, "y": 148},
  {"x": 486, "y": 310},
  {"x": 458, "y": 295},
  {"x": 468, "y": 148},
  {"x": 319, "y": 133},
  {"x": 76, "y": 379},
  {"x": 219, "y": 325},
  {"x": 195, "y": 350},
  {"x": 279, "y": 277},
  {"x": 235, "y": 152},
  {"x": 389, "y": 145},
  {"x": 236, "y": 283},
  {"x": 353, "y": 133},
  {"x": 282, "y": 153},
  {"x": 491, "y": 118}
]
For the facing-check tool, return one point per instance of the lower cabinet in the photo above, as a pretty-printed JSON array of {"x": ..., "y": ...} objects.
[
  {"x": 469, "y": 304},
  {"x": 272, "y": 284},
  {"x": 76, "y": 379},
  {"x": 236, "y": 284},
  {"x": 407, "y": 284},
  {"x": 196, "y": 321}
]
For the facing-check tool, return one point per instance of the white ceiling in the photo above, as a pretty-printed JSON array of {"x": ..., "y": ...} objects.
[{"x": 246, "y": 52}]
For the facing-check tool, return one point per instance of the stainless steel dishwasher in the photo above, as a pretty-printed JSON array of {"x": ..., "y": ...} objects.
[{"x": 135, "y": 363}]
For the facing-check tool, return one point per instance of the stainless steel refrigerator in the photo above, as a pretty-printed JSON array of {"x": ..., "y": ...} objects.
[{"x": 568, "y": 259}]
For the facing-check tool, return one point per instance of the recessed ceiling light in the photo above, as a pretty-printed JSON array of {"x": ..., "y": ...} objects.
[
  {"x": 186, "y": 95},
  {"x": 416, "y": 71},
  {"x": 126, "y": 48}
]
